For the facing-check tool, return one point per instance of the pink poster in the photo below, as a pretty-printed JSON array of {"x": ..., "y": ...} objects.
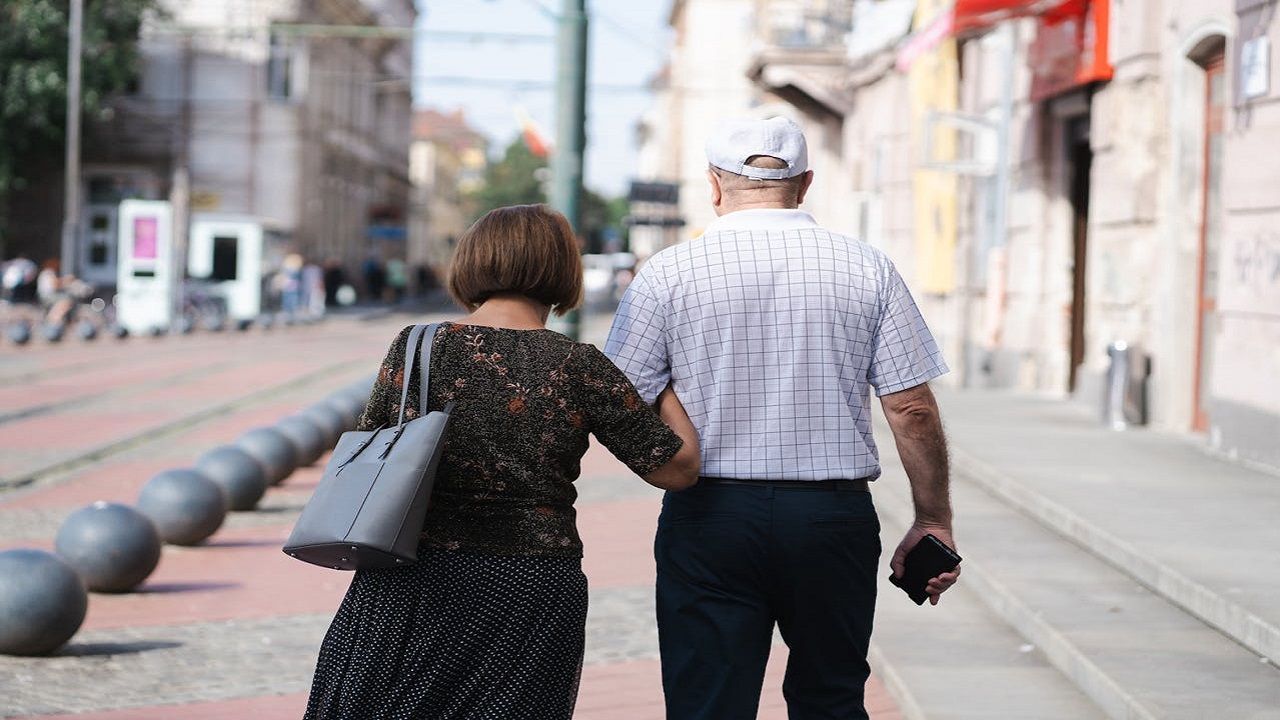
[{"x": 145, "y": 230}]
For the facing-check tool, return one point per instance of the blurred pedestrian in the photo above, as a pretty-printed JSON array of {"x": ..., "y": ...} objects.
[
  {"x": 397, "y": 279},
  {"x": 289, "y": 284},
  {"x": 59, "y": 295},
  {"x": 314, "y": 291},
  {"x": 47, "y": 282},
  {"x": 19, "y": 280},
  {"x": 334, "y": 277},
  {"x": 375, "y": 277},
  {"x": 427, "y": 282},
  {"x": 773, "y": 330},
  {"x": 490, "y": 622}
]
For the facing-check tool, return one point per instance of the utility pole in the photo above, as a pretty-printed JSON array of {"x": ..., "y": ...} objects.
[
  {"x": 571, "y": 123},
  {"x": 71, "y": 199}
]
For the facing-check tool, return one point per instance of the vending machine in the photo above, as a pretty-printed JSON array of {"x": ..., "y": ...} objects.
[
  {"x": 145, "y": 272},
  {"x": 226, "y": 252}
]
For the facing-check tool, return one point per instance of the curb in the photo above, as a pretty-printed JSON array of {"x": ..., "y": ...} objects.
[
  {"x": 908, "y": 707},
  {"x": 1099, "y": 687},
  {"x": 1236, "y": 622}
]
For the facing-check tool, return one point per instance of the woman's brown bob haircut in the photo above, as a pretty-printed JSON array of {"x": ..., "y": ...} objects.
[{"x": 527, "y": 250}]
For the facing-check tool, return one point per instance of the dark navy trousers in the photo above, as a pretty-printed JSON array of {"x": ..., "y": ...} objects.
[{"x": 733, "y": 560}]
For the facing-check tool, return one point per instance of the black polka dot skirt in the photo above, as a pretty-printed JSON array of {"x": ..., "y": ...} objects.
[{"x": 457, "y": 635}]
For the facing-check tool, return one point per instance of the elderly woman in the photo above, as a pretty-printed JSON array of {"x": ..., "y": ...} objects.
[{"x": 490, "y": 622}]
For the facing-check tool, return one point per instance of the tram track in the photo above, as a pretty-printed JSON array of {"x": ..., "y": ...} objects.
[{"x": 53, "y": 472}]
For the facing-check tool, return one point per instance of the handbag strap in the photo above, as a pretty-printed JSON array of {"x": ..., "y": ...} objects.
[
  {"x": 411, "y": 353},
  {"x": 424, "y": 363}
]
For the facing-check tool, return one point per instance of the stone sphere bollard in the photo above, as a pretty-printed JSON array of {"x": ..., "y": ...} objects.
[
  {"x": 42, "y": 602},
  {"x": 329, "y": 419},
  {"x": 308, "y": 440},
  {"x": 186, "y": 325},
  {"x": 19, "y": 332},
  {"x": 120, "y": 332},
  {"x": 241, "y": 477},
  {"x": 112, "y": 547},
  {"x": 185, "y": 506},
  {"x": 349, "y": 406},
  {"x": 273, "y": 450},
  {"x": 53, "y": 332}
]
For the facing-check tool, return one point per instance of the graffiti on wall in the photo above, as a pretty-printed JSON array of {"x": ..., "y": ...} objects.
[{"x": 1253, "y": 280}]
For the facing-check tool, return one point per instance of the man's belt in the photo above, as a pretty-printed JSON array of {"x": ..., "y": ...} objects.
[{"x": 838, "y": 485}]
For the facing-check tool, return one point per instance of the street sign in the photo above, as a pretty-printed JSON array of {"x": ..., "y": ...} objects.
[
  {"x": 1255, "y": 67},
  {"x": 662, "y": 193}
]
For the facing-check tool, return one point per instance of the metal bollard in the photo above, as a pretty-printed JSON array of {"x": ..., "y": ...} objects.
[{"x": 1124, "y": 403}]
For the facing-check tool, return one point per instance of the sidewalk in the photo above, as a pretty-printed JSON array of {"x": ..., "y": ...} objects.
[
  {"x": 1194, "y": 525},
  {"x": 1106, "y": 574}
]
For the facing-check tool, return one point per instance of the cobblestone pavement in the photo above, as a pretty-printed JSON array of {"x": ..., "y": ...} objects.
[{"x": 230, "y": 629}]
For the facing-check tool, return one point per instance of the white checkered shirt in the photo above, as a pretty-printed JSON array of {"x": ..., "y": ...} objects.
[{"x": 773, "y": 330}]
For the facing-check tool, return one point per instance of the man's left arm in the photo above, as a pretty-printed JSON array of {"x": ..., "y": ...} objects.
[{"x": 637, "y": 341}]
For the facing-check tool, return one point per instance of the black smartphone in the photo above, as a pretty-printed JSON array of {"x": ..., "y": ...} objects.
[{"x": 927, "y": 560}]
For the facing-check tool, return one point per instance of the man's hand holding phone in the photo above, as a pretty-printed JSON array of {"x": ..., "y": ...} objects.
[{"x": 942, "y": 581}]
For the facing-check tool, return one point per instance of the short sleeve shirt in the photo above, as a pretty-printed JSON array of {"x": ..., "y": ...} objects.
[
  {"x": 525, "y": 402},
  {"x": 773, "y": 331}
]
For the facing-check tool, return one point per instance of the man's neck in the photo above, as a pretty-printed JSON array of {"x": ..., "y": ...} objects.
[{"x": 738, "y": 207}]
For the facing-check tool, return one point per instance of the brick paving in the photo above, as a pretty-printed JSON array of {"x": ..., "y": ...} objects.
[{"x": 230, "y": 629}]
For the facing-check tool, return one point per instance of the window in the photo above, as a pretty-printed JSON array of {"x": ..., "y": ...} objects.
[
  {"x": 225, "y": 257},
  {"x": 279, "y": 65}
]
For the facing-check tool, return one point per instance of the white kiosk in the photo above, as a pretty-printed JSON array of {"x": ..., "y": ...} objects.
[
  {"x": 145, "y": 277},
  {"x": 227, "y": 253}
]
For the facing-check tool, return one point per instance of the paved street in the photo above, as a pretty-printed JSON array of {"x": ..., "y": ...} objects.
[{"x": 231, "y": 629}]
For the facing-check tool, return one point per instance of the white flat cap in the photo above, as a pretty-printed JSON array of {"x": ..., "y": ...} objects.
[{"x": 736, "y": 141}]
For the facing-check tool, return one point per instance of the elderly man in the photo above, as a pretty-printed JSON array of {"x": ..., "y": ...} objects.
[{"x": 772, "y": 331}]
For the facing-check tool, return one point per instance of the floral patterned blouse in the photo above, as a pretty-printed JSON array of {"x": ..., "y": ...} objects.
[{"x": 525, "y": 402}]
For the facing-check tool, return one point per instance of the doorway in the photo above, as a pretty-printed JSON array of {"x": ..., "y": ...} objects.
[
  {"x": 1215, "y": 92},
  {"x": 1079, "y": 156}
]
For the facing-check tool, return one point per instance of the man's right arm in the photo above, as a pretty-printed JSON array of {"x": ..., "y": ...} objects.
[
  {"x": 917, "y": 431},
  {"x": 637, "y": 341}
]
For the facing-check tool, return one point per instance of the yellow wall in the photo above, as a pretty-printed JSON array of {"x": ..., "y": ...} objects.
[{"x": 934, "y": 85}]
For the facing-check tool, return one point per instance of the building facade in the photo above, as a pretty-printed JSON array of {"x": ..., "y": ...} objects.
[
  {"x": 268, "y": 115},
  {"x": 447, "y": 160},
  {"x": 705, "y": 80},
  {"x": 1056, "y": 179}
]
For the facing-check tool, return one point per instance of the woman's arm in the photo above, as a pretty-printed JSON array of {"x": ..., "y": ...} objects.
[
  {"x": 384, "y": 399},
  {"x": 681, "y": 471}
]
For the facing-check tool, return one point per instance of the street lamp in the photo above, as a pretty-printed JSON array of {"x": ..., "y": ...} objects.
[
  {"x": 571, "y": 133},
  {"x": 71, "y": 198}
]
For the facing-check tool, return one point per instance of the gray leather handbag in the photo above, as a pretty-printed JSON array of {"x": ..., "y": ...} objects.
[{"x": 367, "y": 511}]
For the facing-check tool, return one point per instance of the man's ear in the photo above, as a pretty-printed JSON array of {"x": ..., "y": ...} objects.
[
  {"x": 717, "y": 193},
  {"x": 804, "y": 187}
]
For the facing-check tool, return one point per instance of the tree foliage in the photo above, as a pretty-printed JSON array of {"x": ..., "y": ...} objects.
[
  {"x": 33, "y": 72},
  {"x": 513, "y": 180},
  {"x": 517, "y": 179}
]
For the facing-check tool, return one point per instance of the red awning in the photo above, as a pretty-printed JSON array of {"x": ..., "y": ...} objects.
[
  {"x": 967, "y": 16},
  {"x": 979, "y": 14}
]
